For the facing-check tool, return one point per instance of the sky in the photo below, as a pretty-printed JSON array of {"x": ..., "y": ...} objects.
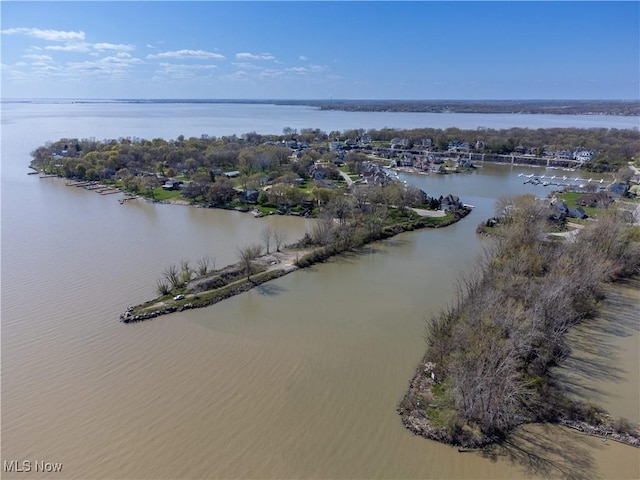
[{"x": 320, "y": 50}]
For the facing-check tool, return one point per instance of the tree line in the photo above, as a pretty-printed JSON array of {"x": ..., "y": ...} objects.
[{"x": 258, "y": 156}]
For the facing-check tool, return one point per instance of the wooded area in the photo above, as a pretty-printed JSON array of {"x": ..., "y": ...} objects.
[
  {"x": 490, "y": 354},
  {"x": 281, "y": 159}
]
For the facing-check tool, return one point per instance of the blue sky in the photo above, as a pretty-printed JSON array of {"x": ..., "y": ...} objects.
[{"x": 321, "y": 50}]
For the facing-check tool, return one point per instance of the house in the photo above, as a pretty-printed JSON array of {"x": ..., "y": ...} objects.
[
  {"x": 564, "y": 154},
  {"x": 619, "y": 188},
  {"x": 375, "y": 178},
  {"x": 250, "y": 196},
  {"x": 317, "y": 172},
  {"x": 458, "y": 146},
  {"x": 231, "y": 174},
  {"x": 335, "y": 146},
  {"x": 577, "y": 212},
  {"x": 405, "y": 161},
  {"x": 172, "y": 185},
  {"x": 584, "y": 156},
  {"x": 595, "y": 200},
  {"x": 520, "y": 150},
  {"x": 562, "y": 209},
  {"x": 450, "y": 203},
  {"x": 399, "y": 143}
]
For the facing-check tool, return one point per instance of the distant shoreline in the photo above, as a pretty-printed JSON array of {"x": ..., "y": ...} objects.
[{"x": 512, "y": 107}]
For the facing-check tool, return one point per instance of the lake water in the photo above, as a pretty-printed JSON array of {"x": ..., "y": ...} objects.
[{"x": 297, "y": 380}]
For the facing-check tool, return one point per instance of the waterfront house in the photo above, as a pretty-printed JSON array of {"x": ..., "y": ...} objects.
[
  {"x": 584, "y": 156},
  {"x": 619, "y": 188},
  {"x": 250, "y": 196},
  {"x": 450, "y": 203},
  {"x": 172, "y": 185}
]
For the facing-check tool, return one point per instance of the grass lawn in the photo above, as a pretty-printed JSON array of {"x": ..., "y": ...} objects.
[{"x": 160, "y": 194}]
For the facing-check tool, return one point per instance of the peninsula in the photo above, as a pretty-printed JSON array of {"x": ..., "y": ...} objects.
[{"x": 488, "y": 365}]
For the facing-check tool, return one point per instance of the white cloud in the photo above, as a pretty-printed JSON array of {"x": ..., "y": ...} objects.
[
  {"x": 306, "y": 70},
  {"x": 303, "y": 58},
  {"x": 50, "y": 35},
  {"x": 185, "y": 53},
  {"x": 113, "y": 46},
  {"x": 271, "y": 73},
  {"x": 253, "y": 56},
  {"x": 83, "y": 47},
  {"x": 70, "y": 47},
  {"x": 38, "y": 58}
]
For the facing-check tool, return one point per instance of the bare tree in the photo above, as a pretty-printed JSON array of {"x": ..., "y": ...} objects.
[
  {"x": 322, "y": 232},
  {"x": 279, "y": 237},
  {"x": 247, "y": 255},
  {"x": 186, "y": 270},
  {"x": 266, "y": 235},
  {"x": 172, "y": 276},
  {"x": 205, "y": 265},
  {"x": 162, "y": 287}
]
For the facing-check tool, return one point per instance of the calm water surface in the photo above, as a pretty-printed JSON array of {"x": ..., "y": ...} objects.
[{"x": 298, "y": 379}]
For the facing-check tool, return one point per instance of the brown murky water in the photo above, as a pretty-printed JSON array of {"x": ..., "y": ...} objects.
[{"x": 298, "y": 379}]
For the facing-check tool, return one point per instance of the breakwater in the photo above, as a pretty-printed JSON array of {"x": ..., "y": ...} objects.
[
  {"x": 299, "y": 257},
  {"x": 199, "y": 301}
]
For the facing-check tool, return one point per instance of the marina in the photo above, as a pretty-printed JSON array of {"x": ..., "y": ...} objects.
[{"x": 577, "y": 183}]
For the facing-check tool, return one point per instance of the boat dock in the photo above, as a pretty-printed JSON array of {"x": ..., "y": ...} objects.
[{"x": 563, "y": 181}]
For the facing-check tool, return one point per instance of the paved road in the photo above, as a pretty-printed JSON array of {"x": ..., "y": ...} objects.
[{"x": 347, "y": 178}]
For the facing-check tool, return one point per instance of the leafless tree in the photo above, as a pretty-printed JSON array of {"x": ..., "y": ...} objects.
[
  {"x": 171, "y": 274},
  {"x": 186, "y": 270},
  {"x": 163, "y": 288},
  {"x": 247, "y": 255},
  {"x": 322, "y": 231},
  {"x": 205, "y": 265},
  {"x": 279, "y": 237},
  {"x": 266, "y": 235}
]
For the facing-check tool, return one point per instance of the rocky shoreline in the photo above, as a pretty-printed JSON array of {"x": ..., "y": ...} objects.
[{"x": 129, "y": 317}]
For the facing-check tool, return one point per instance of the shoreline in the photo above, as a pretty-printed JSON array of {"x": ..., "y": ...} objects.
[{"x": 275, "y": 265}]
